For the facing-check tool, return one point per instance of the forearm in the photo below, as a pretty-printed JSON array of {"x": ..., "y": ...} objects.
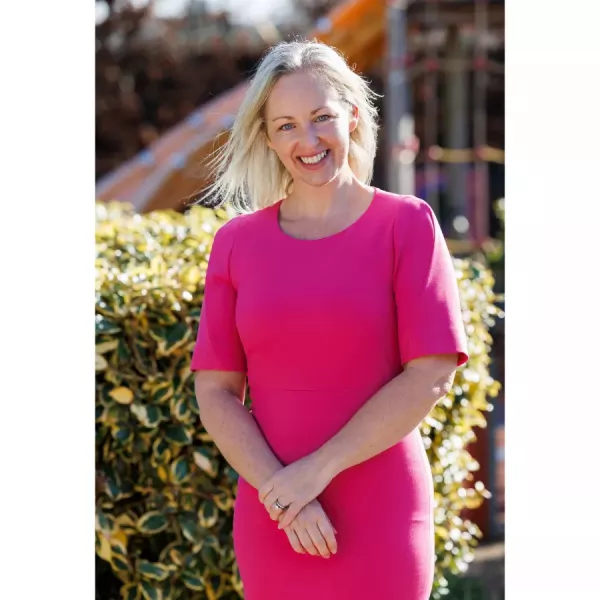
[
  {"x": 238, "y": 437},
  {"x": 384, "y": 420}
]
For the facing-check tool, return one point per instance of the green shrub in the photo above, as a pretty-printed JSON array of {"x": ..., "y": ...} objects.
[{"x": 164, "y": 495}]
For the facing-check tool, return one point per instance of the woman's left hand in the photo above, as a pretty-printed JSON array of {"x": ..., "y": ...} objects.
[{"x": 293, "y": 487}]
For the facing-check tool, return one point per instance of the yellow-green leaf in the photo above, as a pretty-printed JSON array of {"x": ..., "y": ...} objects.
[
  {"x": 104, "y": 347},
  {"x": 206, "y": 462},
  {"x": 192, "y": 581},
  {"x": 190, "y": 529},
  {"x": 161, "y": 392},
  {"x": 147, "y": 414},
  {"x": 150, "y": 591},
  {"x": 180, "y": 470},
  {"x": 130, "y": 591},
  {"x": 178, "y": 435},
  {"x": 103, "y": 546},
  {"x": 152, "y": 522},
  {"x": 101, "y": 363},
  {"x": 122, "y": 395},
  {"x": 149, "y": 570},
  {"x": 122, "y": 433},
  {"x": 208, "y": 514},
  {"x": 119, "y": 563}
]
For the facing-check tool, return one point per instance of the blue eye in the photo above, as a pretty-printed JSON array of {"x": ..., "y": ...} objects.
[
  {"x": 322, "y": 117},
  {"x": 282, "y": 127}
]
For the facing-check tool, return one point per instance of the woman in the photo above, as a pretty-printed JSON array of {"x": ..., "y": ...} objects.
[{"x": 339, "y": 303}]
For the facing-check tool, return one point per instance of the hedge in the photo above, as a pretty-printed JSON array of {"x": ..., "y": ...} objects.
[{"x": 164, "y": 495}]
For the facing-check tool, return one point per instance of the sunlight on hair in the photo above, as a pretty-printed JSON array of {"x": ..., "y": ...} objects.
[{"x": 246, "y": 174}]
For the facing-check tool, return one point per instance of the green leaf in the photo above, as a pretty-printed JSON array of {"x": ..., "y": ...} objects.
[
  {"x": 161, "y": 392},
  {"x": 190, "y": 528},
  {"x": 147, "y": 414},
  {"x": 192, "y": 581},
  {"x": 130, "y": 591},
  {"x": 112, "y": 489},
  {"x": 150, "y": 591},
  {"x": 156, "y": 571},
  {"x": 178, "y": 435},
  {"x": 122, "y": 433},
  {"x": 208, "y": 515},
  {"x": 181, "y": 409},
  {"x": 119, "y": 563},
  {"x": 152, "y": 522},
  {"x": 180, "y": 470},
  {"x": 173, "y": 338},
  {"x": 104, "y": 522},
  {"x": 106, "y": 326}
]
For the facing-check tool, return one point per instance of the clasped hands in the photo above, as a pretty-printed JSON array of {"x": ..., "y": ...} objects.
[{"x": 289, "y": 497}]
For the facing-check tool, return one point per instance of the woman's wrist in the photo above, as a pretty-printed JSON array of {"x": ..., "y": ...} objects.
[{"x": 329, "y": 460}]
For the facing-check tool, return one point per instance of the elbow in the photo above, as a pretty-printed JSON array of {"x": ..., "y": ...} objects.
[
  {"x": 442, "y": 386},
  {"x": 216, "y": 393}
]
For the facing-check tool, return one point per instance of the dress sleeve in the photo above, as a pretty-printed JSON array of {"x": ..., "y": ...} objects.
[
  {"x": 218, "y": 345},
  {"x": 425, "y": 286}
]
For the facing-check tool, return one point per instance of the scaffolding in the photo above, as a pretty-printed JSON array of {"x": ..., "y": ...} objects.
[{"x": 442, "y": 46}]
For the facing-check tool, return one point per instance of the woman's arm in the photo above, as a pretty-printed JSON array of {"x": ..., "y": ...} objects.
[
  {"x": 390, "y": 415},
  {"x": 220, "y": 397},
  {"x": 383, "y": 421},
  {"x": 233, "y": 429}
]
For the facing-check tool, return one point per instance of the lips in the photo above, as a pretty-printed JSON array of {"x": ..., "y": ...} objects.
[{"x": 315, "y": 159}]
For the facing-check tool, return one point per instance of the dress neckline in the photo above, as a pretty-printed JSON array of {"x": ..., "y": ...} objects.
[{"x": 355, "y": 224}]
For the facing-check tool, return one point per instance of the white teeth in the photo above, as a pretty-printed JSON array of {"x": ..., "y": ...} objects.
[{"x": 313, "y": 160}]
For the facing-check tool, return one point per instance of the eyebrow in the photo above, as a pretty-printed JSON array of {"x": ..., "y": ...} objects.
[{"x": 312, "y": 112}]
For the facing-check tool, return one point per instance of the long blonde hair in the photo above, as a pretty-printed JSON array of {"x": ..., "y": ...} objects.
[{"x": 247, "y": 175}]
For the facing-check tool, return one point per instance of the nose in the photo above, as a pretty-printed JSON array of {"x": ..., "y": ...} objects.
[{"x": 310, "y": 139}]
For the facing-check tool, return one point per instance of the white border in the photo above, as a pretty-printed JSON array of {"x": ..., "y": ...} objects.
[
  {"x": 46, "y": 299},
  {"x": 552, "y": 327}
]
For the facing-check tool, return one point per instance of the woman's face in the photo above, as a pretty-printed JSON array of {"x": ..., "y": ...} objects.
[{"x": 308, "y": 127}]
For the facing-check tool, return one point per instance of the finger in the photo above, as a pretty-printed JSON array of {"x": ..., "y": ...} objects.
[
  {"x": 264, "y": 490},
  {"x": 294, "y": 541},
  {"x": 270, "y": 499},
  {"x": 289, "y": 514},
  {"x": 318, "y": 540},
  {"x": 274, "y": 512},
  {"x": 306, "y": 541},
  {"x": 328, "y": 532}
]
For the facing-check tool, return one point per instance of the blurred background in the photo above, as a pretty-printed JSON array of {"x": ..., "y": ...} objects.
[{"x": 170, "y": 75}]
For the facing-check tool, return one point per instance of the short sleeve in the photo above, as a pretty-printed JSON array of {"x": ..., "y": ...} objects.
[
  {"x": 218, "y": 345},
  {"x": 425, "y": 286}
]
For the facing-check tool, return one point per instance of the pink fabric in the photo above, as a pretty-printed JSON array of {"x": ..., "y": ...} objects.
[{"x": 319, "y": 326}]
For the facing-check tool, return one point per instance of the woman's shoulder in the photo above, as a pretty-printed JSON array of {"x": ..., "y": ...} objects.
[
  {"x": 405, "y": 211},
  {"x": 402, "y": 204},
  {"x": 242, "y": 225}
]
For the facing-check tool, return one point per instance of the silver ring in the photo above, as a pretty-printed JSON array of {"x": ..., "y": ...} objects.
[{"x": 278, "y": 506}]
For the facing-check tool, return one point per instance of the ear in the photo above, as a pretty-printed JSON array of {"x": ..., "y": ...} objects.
[{"x": 353, "y": 122}]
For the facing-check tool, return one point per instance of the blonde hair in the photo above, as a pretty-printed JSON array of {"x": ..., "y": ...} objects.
[{"x": 247, "y": 175}]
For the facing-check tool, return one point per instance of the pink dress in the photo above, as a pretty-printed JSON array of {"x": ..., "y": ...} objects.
[{"x": 319, "y": 326}]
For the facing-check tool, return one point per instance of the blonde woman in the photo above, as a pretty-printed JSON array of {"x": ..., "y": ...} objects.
[{"x": 339, "y": 303}]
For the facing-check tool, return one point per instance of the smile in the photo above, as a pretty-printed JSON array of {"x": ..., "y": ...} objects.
[{"x": 313, "y": 160}]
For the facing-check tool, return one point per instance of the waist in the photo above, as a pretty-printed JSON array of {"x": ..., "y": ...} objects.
[{"x": 298, "y": 422}]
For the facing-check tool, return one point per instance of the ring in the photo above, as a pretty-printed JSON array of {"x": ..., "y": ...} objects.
[{"x": 279, "y": 506}]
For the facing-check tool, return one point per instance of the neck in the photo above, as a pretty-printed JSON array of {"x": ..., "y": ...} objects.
[{"x": 318, "y": 202}]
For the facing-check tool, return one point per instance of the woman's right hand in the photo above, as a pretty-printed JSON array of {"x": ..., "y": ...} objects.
[{"x": 311, "y": 531}]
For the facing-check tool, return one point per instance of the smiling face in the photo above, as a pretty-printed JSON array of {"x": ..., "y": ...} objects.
[{"x": 308, "y": 126}]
